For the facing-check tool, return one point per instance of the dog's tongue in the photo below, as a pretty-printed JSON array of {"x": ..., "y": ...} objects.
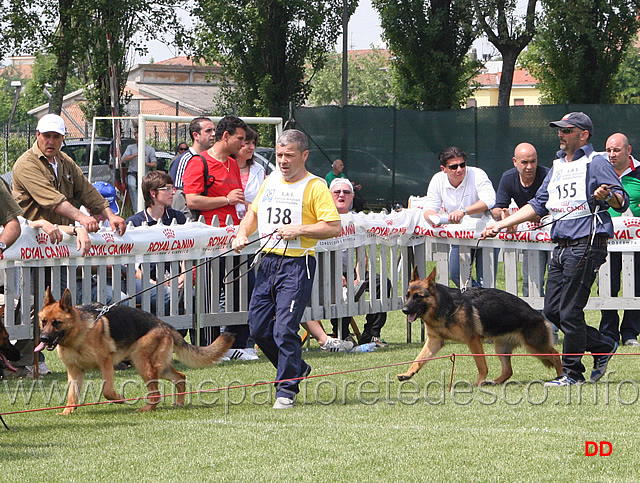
[
  {"x": 7, "y": 364},
  {"x": 40, "y": 347},
  {"x": 411, "y": 317}
]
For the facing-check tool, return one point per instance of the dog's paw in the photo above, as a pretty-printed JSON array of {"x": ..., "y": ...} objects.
[
  {"x": 114, "y": 397},
  {"x": 66, "y": 412},
  {"x": 404, "y": 377}
]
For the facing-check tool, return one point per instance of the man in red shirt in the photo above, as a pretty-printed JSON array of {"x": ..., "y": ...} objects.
[{"x": 225, "y": 190}]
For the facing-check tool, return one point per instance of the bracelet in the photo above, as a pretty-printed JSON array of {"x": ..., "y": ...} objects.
[
  {"x": 75, "y": 231},
  {"x": 228, "y": 202}
]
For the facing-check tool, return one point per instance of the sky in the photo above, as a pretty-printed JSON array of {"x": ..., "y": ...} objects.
[{"x": 364, "y": 31}]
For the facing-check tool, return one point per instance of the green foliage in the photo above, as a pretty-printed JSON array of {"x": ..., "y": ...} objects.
[
  {"x": 627, "y": 80},
  {"x": 262, "y": 47},
  {"x": 430, "y": 41},
  {"x": 76, "y": 33},
  {"x": 579, "y": 48},
  {"x": 369, "y": 81}
]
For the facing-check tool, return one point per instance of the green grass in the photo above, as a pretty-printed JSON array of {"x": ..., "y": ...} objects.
[{"x": 337, "y": 431}]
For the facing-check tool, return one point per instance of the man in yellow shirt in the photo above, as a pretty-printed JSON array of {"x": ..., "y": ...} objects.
[{"x": 297, "y": 209}]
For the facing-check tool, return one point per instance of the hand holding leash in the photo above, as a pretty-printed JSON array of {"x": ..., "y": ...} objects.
[{"x": 490, "y": 231}]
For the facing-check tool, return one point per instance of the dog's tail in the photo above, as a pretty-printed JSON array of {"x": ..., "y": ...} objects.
[{"x": 198, "y": 357}]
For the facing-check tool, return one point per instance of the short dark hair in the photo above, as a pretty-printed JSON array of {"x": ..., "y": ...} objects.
[
  {"x": 451, "y": 152},
  {"x": 229, "y": 124},
  {"x": 252, "y": 135},
  {"x": 196, "y": 125},
  {"x": 153, "y": 181}
]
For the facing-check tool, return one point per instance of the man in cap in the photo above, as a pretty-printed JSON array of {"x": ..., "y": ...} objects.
[
  {"x": 47, "y": 183},
  {"x": 577, "y": 192}
]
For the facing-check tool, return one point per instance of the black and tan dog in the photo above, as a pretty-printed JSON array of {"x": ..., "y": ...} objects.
[
  {"x": 86, "y": 341},
  {"x": 8, "y": 352},
  {"x": 470, "y": 317}
]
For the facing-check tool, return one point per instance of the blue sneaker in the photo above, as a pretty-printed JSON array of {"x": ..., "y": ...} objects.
[
  {"x": 562, "y": 381},
  {"x": 600, "y": 364}
]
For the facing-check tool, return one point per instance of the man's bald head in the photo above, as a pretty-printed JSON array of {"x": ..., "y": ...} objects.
[
  {"x": 525, "y": 160},
  {"x": 619, "y": 152}
]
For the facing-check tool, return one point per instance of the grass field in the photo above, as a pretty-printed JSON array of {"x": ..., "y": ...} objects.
[{"x": 360, "y": 426}]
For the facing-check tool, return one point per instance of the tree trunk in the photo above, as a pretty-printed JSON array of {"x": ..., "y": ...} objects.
[
  {"x": 509, "y": 58},
  {"x": 63, "y": 50}
]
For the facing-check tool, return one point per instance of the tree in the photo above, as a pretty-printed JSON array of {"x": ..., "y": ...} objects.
[
  {"x": 369, "y": 80},
  {"x": 579, "y": 48},
  {"x": 262, "y": 47},
  {"x": 76, "y": 32},
  {"x": 430, "y": 40},
  {"x": 627, "y": 85},
  {"x": 508, "y": 33}
]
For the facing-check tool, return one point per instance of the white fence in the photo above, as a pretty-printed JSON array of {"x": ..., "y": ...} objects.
[{"x": 388, "y": 245}]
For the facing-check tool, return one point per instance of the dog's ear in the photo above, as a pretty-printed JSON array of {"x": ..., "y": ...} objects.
[
  {"x": 415, "y": 276},
  {"x": 48, "y": 298},
  {"x": 432, "y": 277},
  {"x": 66, "y": 303}
]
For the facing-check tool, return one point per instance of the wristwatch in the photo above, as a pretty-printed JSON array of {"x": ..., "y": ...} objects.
[
  {"x": 3, "y": 247},
  {"x": 609, "y": 197},
  {"x": 464, "y": 210}
]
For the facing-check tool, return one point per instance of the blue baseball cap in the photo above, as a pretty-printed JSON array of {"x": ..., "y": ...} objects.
[{"x": 108, "y": 192}]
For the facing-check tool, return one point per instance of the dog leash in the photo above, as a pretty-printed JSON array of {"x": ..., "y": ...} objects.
[{"x": 107, "y": 308}]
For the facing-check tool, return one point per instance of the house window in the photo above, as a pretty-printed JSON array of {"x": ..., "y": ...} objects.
[
  {"x": 518, "y": 102},
  {"x": 471, "y": 103}
]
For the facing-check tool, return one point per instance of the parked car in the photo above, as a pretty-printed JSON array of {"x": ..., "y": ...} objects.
[
  {"x": 79, "y": 149},
  {"x": 164, "y": 160}
]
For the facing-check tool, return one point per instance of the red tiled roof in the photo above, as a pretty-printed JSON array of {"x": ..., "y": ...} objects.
[{"x": 521, "y": 77}]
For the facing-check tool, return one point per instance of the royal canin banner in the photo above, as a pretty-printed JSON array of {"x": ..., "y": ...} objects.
[{"x": 196, "y": 240}]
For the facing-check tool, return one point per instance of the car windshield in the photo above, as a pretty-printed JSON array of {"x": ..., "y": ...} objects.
[{"x": 80, "y": 153}]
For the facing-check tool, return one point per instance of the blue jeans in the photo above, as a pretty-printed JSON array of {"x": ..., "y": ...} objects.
[
  {"x": 132, "y": 186},
  {"x": 476, "y": 257},
  {"x": 571, "y": 275}
]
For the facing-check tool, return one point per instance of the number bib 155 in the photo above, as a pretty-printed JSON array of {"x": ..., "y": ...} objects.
[{"x": 567, "y": 190}]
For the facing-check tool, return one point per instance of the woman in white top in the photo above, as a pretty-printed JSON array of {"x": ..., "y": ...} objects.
[{"x": 251, "y": 173}]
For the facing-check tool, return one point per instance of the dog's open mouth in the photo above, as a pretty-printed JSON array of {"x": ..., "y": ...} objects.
[
  {"x": 50, "y": 346},
  {"x": 411, "y": 317},
  {"x": 5, "y": 364}
]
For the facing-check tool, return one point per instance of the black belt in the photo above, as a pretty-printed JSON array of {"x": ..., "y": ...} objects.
[{"x": 598, "y": 241}]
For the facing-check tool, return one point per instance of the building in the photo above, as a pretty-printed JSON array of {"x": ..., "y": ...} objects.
[
  {"x": 524, "y": 91},
  {"x": 176, "y": 86}
]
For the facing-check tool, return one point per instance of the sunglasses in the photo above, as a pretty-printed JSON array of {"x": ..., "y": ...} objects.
[
  {"x": 182, "y": 149},
  {"x": 566, "y": 130},
  {"x": 166, "y": 188},
  {"x": 346, "y": 192},
  {"x": 453, "y": 167}
]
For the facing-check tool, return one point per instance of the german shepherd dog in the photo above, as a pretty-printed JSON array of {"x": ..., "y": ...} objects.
[
  {"x": 470, "y": 317},
  {"x": 8, "y": 352},
  {"x": 87, "y": 341}
]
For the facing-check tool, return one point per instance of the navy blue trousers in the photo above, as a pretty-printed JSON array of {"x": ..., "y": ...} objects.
[{"x": 281, "y": 294}]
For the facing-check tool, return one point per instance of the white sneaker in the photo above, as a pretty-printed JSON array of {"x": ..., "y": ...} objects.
[
  {"x": 43, "y": 369},
  {"x": 336, "y": 345},
  {"x": 284, "y": 403},
  {"x": 251, "y": 352},
  {"x": 240, "y": 355}
]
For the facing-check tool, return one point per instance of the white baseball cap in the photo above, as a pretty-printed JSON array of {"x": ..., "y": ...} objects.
[{"x": 51, "y": 123}]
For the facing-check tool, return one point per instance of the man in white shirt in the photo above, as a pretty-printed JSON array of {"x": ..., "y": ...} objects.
[
  {"x": 130, "y": 159},
  {"x": 459, "y": 191}
]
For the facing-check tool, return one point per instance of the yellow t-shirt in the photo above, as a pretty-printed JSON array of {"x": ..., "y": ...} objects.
[{"x": 317, "y": 205}]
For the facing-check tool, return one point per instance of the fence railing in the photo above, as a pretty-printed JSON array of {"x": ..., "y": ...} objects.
[{"x": 387, "y": 245}]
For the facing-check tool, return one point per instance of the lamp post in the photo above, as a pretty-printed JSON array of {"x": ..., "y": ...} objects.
[{"x": 18, "y": 86}]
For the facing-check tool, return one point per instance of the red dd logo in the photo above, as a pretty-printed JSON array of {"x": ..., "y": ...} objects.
[{"x": 591, "y": 448}]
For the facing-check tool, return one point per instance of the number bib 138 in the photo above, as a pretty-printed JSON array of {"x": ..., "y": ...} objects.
[{"x": 280, "y": 204}]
